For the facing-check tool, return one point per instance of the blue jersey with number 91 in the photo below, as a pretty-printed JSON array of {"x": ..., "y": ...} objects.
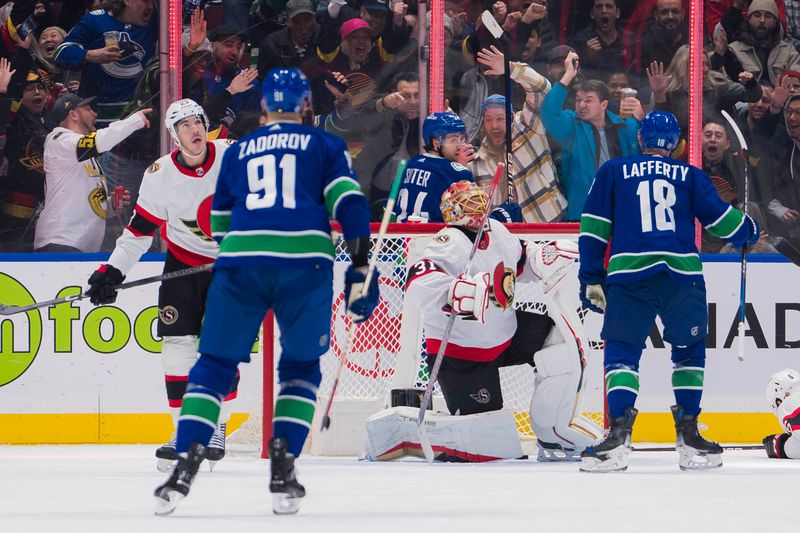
[
  {"x": 646, "y": 206},
  {"x": 426, "y": 178},
  {"x": 277, "y": 190}
]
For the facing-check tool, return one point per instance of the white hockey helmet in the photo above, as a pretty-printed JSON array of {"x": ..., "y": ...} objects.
[
  {"x": 180, "y": 110},
  {"x": 463, "y": 204},
  {"x": 780, "y": 385}
]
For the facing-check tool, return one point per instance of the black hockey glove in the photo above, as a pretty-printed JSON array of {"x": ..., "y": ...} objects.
[
  {"x": 360, "y": 308},
  {"x": 103, "y": 285},
  {"x": 774, "y": 445}
]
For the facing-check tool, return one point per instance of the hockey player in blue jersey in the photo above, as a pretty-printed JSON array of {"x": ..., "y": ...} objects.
[
  {"x": 429, "y": 174},
  {"x": 278, "y": 188},
  {"x": 645, "y": 206}
]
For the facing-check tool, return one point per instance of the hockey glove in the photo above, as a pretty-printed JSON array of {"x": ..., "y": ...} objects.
[
  {"x": 469, "y": 296},
  {"x": 507, "y": 212},
  {"x": 552, "y": 260},
  {"x": 360, "y": 308},
  {"x": 593, "y": 297},
  {"x": 103, "y": 285},
  {"x": 755, "y": 231},
  {"x": 774, "y": 445}
]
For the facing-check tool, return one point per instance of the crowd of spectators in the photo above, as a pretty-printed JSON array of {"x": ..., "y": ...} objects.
[{"x": 582, "y": 74}]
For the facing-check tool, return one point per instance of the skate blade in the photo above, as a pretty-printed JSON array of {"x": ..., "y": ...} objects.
[
  {"x": 690, "y": 459},
  {"x": 615, "y": 461},
  {"x": 211, "y": 465},
  {"x": 285, "y": 504},
  {"x": 557, "y": 456},
  {"x": 165, "y": 465},
  {"x": 166, "y": 505}
]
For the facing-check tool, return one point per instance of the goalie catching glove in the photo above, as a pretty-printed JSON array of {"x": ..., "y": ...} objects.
[
  {"x": 552, "y": 260},
  {"x": 103, "y": 285},
  {"x": 360, "y": 308},
  {"x": 469, "y": 296}
]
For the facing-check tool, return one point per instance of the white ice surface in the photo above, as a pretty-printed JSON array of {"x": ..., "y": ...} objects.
[{"x": 109, "y": 489}]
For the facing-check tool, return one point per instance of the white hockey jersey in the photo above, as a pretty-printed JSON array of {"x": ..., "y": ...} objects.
[
  {"x": 788, "y": 414},
  {"x": 76, "y": 199},
  {"x": 442, "y": 261},
  {"x": 178, "y": 200}
]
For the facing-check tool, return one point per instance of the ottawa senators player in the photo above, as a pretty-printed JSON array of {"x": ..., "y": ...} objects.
[
  {"x": 175, "y": 195},
  {"x": 783, "y": 395},
  {"x": 489, "y": 334}
]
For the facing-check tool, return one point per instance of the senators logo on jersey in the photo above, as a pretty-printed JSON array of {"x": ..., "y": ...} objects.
[{"x": 201, "y": 226}]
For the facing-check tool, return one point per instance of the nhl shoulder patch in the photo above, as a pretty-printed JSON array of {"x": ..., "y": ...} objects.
[
  {"x": 154, "y": 168},
  {"x": 97, "y": 12},
  {"x": 458, "y": 166}
]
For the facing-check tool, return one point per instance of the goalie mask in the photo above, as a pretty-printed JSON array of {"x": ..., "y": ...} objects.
[
  {"x": 782, "y": 384},
  {"x": 463, "y": 204},
  {"x": 180, "y": 110}
]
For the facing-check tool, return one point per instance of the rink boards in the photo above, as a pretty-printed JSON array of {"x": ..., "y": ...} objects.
[{"x": 73, "y": 373}]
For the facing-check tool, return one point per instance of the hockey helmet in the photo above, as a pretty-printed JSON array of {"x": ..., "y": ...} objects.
[
  {"x": 440, "y": 125},
  {"x": 659, "y": 129},
  {"x": 180, "y": 110},
  {"x": 780, "y": 385},
  {"x": 285, "y": 89},
  {"x": 463, "y": 204}
]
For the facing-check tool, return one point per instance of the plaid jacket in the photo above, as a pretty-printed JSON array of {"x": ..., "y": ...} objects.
[{"x": 532, "y": 168}]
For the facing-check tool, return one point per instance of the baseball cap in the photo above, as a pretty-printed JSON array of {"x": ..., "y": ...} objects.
[
  {"x": 377, "y": 5},
  {"x": 558, "y": 54},
  {"x": 295, "y": 7},
  {"x": 67, "y": 103},
  {"x": 352, "y": 25},
  {"x": 493, "y": 101},
  {"x": 222, "y": 32}
]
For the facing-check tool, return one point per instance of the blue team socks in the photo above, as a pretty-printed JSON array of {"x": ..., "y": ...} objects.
[
  {"x": 294, "y": 411},
  {"x": 209, "y": 381},
  {"x": 622, "y": 376},
  {"x": 687, "y": 376}
]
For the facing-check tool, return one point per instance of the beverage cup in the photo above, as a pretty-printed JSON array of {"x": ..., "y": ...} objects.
[
  {"x": 111, "y": 38},
  {"x": 627, "y": 92}
]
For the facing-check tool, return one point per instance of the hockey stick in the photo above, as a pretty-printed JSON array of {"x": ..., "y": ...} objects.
[
  {"x": 373, "y": 262},
  {"x": 425, "y": 443},
  {"x": 786, "y": 250},
  {"x": 672, "y": 448},
  {"x": 743, "y": 272},
  {"x": 494, "y": 28},
  {"x": 14, "y": 309}
]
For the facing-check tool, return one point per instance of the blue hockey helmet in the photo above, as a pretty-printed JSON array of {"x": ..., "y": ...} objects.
[
  {"x": 659, "y": 129},
  {"x": 285, "y": 89},
  {"x": 440, "y": 125}
]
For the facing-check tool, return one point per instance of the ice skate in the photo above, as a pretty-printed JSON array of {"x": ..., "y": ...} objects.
[
  {"x": 694, "y": 452},
  {"x": 553, "y": 452},
  {"x": 180, "y": 480},
  {"x": 216, "y": 447},
  {"x": 611, "y": 455},
  {"x": 286, "y": 491},
  {"x": 166, "y": 456}
]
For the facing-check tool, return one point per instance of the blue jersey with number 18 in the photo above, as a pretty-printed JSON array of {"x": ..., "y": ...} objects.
[
  {"x": 277, "y": 190},
  {"x": 646, "y": 206},
  {"x": 427, "y": 177}
]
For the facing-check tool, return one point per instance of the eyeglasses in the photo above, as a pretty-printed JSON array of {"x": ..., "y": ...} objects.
[{"x": 34, "y": 88}]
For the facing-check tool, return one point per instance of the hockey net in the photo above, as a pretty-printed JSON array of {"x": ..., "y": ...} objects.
[{"x": 388, "y": 351}]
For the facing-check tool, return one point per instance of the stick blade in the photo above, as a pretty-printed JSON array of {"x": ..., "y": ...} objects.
[
  {"x": 425, "y": 443},
  {"x": 787, "y": 250},
  {"x": 326, "y": 423},
  {"x": 491, "y": 24}
]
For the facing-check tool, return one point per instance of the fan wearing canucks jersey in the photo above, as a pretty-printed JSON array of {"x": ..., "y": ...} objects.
[
  {"x": 278, "y": 187},
  {"x": 429, "y": 174},
  {"x": 645, "y": 206}
]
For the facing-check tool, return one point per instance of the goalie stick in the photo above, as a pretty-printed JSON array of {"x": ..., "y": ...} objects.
[
  {"x": 672, "y": 448},
  {"x": 424, "y": 441},
  {"x": 14, "y": 309},
  {"x": 494, "y": 28},
  {"x": 743, "y": 270},
  {"x": 351, "y": 331}
]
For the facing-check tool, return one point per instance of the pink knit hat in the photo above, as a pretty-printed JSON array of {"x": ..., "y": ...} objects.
[{"x": 352, "y": 25}]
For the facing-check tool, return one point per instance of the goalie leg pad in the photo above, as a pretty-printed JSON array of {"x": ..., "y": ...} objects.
[
  {"x": 555, "y": 399},
  {"x": 392, "y": 433},
  {"x": 178, "y": 356}
]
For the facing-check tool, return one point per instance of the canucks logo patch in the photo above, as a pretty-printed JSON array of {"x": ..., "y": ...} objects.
[{"x": 458, "y": 166}]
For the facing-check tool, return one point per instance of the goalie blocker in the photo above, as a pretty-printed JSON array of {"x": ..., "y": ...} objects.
[{"x": 478, "y": 429}]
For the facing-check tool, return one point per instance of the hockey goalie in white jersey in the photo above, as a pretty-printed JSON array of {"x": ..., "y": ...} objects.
[
  {"x": 488, "y": 334},
  {"x": 783, "y": 394}
]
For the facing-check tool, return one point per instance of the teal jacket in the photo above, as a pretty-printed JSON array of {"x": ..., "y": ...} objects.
[{"x": 579, "y": 152}]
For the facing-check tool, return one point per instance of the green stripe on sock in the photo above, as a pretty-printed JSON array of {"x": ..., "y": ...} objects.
[
  {"x": 622, "y": 378},
  {"x": 291, "y": 407},
  {"x": 201, "y": 406},
  {"x": 687, "y": 378}
]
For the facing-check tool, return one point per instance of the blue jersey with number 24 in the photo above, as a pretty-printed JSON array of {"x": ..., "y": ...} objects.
[{"x": 426, "y": 178}]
